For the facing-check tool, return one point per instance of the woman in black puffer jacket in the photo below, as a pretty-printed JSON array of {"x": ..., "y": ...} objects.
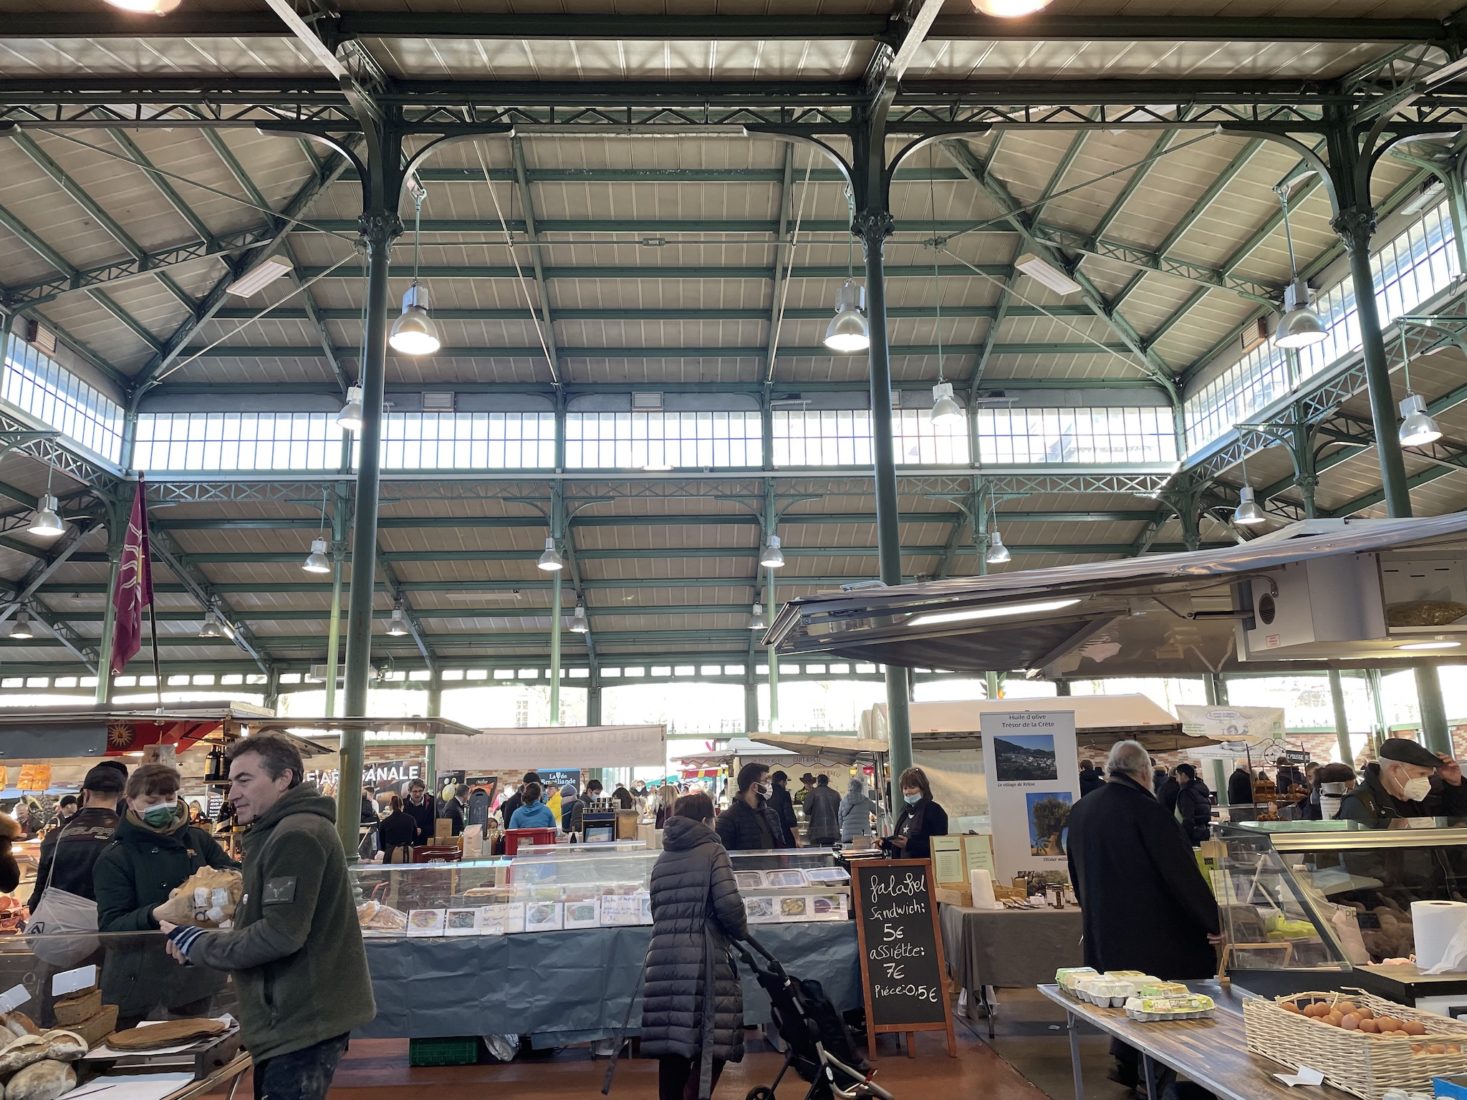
[{"x": 692, "y": 1007}]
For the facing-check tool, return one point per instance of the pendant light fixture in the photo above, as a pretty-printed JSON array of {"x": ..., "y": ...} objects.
[
  {"x": 773, "y": 556},
  {"x": 1300, "y": 325},
  {"x": 317, "y": 561},
  {"x": 211, "y": 627},
  {"x": 578, "y": 623},
  {"x": 20, "y": 628},
  {"x": 848, "y": 331},
  {"x": 1418, "y": 426},
  {"x": 349, "y": 419},
  {"x": 397, "y": 624},
  {"x": 998, "y": 553},
  {"x": 946, "y": 412},
  {"x": 47, "y": 522},
  {"x": 1009, "y": 9},
  {"x": 146, "y": 7},
  {"x": 550, "y": 561},
  {"x": 1247, "y": 513},
  {"x": 756, "y": 618},
  {"x": 414, "y": 333}
]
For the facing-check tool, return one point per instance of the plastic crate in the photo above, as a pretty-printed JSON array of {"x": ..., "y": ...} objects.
[{"x": 445, "y": 1052}]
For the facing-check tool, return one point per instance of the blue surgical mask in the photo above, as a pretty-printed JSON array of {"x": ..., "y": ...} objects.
[{"x": 911, "y": 799}]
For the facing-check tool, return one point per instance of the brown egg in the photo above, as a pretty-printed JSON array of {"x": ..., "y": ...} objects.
[
  {"x": 1351, "y": 1022},
  {"x": 1365, "y": 1014},
  {"x": 1436, "y": 1048},
  {"x": 1388, "y": 1024},
  {"x": 1345, "y": 1008},
  {"x": 1290, "y": 1006},
  {"x": 1334, "y": 1019},
  {"x": 1414, "y": 1027},
  {"x": 1369, "y": 1027}
]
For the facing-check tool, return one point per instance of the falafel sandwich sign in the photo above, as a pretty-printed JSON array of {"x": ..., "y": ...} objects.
[{"x": 1032, "y": 772}]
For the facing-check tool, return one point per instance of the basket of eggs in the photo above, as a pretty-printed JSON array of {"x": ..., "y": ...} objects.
[{"x": 1363, "y": 1044}]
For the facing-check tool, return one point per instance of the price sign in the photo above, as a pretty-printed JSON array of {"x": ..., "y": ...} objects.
[{"x": 903, "y": 975}]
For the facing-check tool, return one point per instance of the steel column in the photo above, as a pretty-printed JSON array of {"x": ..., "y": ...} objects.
[
  {"x": 435, "y": 696},
  {"x": 1434, "y": 732},
  {"x": 593, "y": 704},
  {"x": 873, "y": 226},
  {"x": 771, "y": 523},
  {"x": 333, "y": 630},
  {"x": 555, "y": 615},
  {"x": 380, "y": 226},
  {"x": 1342, "y": 717}
]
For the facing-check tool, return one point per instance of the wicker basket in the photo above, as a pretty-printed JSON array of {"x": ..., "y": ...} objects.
[{"x": 1357, "y": 1062}]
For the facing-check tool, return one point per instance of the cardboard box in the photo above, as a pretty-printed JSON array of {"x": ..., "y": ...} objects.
[{"x": 954, "y": 895}]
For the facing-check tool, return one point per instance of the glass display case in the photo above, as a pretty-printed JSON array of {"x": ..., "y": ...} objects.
[
  {"x": 567, "y": 887},
  {"x": 1336, "y": 896}
]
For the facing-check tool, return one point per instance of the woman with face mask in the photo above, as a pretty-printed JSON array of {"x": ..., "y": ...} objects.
[
  {"x": 921, "y": 818},
  {"x": 1409, "y": 781},
  {"x": 153, "y": 850}
]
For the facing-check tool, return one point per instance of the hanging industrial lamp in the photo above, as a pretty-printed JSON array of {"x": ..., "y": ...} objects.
[
  {"x": 998, "y": 553},
  {"x": 848, "y": 331},
  {"x": 756, "y": 618},
  {"x": 317, "y": 561},
  {"x": 773, "y": 556},
  {"x": 20, "y": 629},
  {"x": 414, "y": 332},
  {"x": 550, "y": 561},
  {"x": 397, "y": 625},
  {"x": 349, "y": 419},
  {"x": 946, "y": 412},
  {"x": 1009, "y": 9},
  {"x": 211, "y": 627},
  {"x": 1300, "y": 325},
  {"x": 47, "y": 522},
  {"x": 146, "y": 7},
  {"x": 1247, "y": 513},
  {"x": 1418, "y": 426},
  {"x": 578, "y": 623}
]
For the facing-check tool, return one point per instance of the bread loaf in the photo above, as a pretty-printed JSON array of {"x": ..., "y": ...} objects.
[
  {"x": 78, "y": 1007},
  {"x": 64, "y": 1046},
  {"x": 21, "y": 1053},
  {"x": 96, "y": 1029},
  {"x": 168, "y": 1033},
  {"x": 41, "y": 1081}
]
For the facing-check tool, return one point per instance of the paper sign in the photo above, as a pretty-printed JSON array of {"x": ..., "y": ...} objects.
[
  {"x": 13, "y": 998},
  {"x": 34, "y": 777},
  {"x": 73, "y": 981},
  {"x": 947, "y": 859},
  {"x": 1303, "y": 1076}
]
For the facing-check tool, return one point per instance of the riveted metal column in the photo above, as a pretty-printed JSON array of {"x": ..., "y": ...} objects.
[
  {"x": 380, "y": 225},
  {"x": 593, "y": 703},
  {"x": 338, "y": 561},
  {"x": 771, "y": 520},
  {"x": 435, "y": 696},
  {"x": 1217, "y": 696},
  {"x": 1342, "y": 717},
  {"x": 1377, "y": 701},
  {"x": 981, "y": 541},
  {"x": 873, "y": 226},
  {"x": 1434, "y": 732},
  {"x": 557, "y": 520},
  {"x": 1306, "y": 477}
]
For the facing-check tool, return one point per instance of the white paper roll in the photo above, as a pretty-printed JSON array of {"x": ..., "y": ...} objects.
[
  {"x": 981, "y": 883},
  {"x": 1435, "y": 923}
]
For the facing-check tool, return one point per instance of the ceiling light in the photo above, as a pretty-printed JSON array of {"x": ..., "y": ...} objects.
[
  {"x": 47, "y": 522},
  {"x": 414, "y": 333},
  {"x": 349, "y": 419},
  {"x": 1300, "y": 325},
  {"x": 1417, "y": 429},
  {"x": 773, "y": 556},
  {"x": 1002, "y": 611},
  {"x": 20, "y": 629},
  {"x": 1044, "y": 272},
  {"x": 1009, "y": 9},
  {"x": 397, "y": 625},
  {"x": 998, "y": 553},
  {"x": 756, "y": 619},
  {"x": 211, "y": 627},
  {"x": 317, "y": 561},
  {"x": 847, "y": 331},
  {"x": 1430, "y": 194},
  {"x": 946, "y": 412},
  {"x": 578, "y": 620},
  {"x": 1247, "y": 513},
  {"x": 1430, "y": 645},
  {"x": 146, "y": 7},
  {"x": 258, "y": 277},
  {"x": 550, "y": 561}
]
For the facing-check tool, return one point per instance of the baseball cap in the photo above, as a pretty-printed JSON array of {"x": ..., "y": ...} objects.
[{"x": 104, "y": 780}]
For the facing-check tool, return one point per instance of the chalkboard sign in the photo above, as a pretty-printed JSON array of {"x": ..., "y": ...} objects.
[{"x": 903, "y": 975}]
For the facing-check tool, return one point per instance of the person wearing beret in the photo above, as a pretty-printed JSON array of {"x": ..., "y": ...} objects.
[{"x": 1409, "y": 781}]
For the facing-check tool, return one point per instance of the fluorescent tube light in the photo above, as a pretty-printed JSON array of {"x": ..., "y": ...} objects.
[{"x": 1001, "y": 611}]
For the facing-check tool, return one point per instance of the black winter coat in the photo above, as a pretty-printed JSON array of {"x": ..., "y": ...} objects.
[
  {"x": 396, "y": 831},
  {"x": 1143, "y": 901},
  {"x": 1167, "y": 793},
  {"x": 455, "y": 814},
  {"x": 422, "y": 817},
  {"x": 1371, "y": 804},
  {"x": 1240, "y": 788},
  {"x": 738, "y": 827},
  {"x": 783, "y": 805},
  {"x": 1091, "y": 781},
  {"x": 919, "y": 822},
  {"x": 1194, "y": 808},
  {"x": 73, "y": 850},
  {"x": 696, "y": 911},
  {"x": 133, "y": 875}
]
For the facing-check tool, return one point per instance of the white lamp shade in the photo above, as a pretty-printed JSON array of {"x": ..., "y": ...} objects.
[
  {"x": 1009, "y": 9},
  {"x": 350, "y": 417},
  {"x": 946, "y": 412},
  {"x": 773, "y": 556},
  {"x": 848, "y": 331},
  {"x": 397, "y": 625},
  {"x": 146, "y": 7},
  {"x": 550, "y": 561},
  {"x": 1419, "y": 427},
  {"x": 20, "y": 630},
  {"x": 317, "y": 561},
  {"x": 756, "y": 618},
  {"x": 47, "y": 522},
  {"x": 1299, "y": 328},
  {"x": 998, "y": 553},
  {"x": 1248, "y": 514},
  {"x": 414, "y": 333},
  {"x": 578, "y": 620}
]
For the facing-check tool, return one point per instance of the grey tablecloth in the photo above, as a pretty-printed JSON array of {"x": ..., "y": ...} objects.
[
  {"x": 1008, "y": 947},
  {"x": 567, "y": 986}
]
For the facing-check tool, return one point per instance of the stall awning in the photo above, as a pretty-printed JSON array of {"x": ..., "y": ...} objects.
[
  {"x": 1166, "y": 614},
  {"x": 69, "y": 732}
]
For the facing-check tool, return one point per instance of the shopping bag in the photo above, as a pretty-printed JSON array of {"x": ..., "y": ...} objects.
[{"x": 57, "y": 932}]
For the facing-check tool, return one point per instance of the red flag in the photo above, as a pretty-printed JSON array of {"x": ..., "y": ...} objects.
[{"x": 134, "y": 589}]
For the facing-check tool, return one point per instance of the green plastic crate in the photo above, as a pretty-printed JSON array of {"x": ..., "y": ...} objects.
[{"x": 445, "y": 1052}]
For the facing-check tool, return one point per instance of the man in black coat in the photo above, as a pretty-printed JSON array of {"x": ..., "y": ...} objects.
[
  {"x": 749, "y": 824},
  {"x": 1240, "y": 787},
  {"x": 1143, "y": 901},
  {"x": 419, "y": 807},
  {"x": 456, "y": 808},
  {"x": 1409, "y": 781},
  {"x": 783, "y": 805},
  {"x": 1090, "y": 778}
]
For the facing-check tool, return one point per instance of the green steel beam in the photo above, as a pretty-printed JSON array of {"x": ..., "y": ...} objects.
[
  {"x": 531, "y": 232},
  {"x": 488, "y": 612},
  {"x": 135, "y": 326},
  {"x": 661, "y": 313},
  {"x": 133, "y": 152},
  {"x": 534, "y": 351},
  {"x": 76, "y": 193},
  {"x": 823, "y": 272}
]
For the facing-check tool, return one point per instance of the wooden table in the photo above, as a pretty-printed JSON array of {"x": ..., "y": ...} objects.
[{"x": 1213, "y": 1052}]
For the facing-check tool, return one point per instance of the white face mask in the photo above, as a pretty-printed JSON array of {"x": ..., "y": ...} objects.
[
  {"x": 765, "y": 789},
  {"x": 1414, "y": 790}
]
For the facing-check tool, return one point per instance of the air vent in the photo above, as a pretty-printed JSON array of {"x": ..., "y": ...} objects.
[
  {"x": 438, "y": 401},
  {"x": 1254, "y": 335},
  {"x": 39, "y": 336},
  {"x": 646, "y": 401}
]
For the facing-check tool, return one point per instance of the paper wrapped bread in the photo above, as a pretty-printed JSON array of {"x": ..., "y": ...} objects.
[{"x": 207, "y": 898}]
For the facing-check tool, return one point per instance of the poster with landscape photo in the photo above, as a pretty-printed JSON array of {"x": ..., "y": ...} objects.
[{"x": 1022, "y": 758}]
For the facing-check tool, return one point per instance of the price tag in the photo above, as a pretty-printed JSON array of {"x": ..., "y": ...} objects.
[
  {"x": 73, "y": 981},
  {"x": 13, "y": 998}
]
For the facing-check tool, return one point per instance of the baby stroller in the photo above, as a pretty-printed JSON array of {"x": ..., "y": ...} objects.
[{"x": 818, "y": 1043}]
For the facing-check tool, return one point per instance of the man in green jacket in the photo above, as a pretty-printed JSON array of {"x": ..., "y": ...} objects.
[{"x": 296, "y": 949}]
